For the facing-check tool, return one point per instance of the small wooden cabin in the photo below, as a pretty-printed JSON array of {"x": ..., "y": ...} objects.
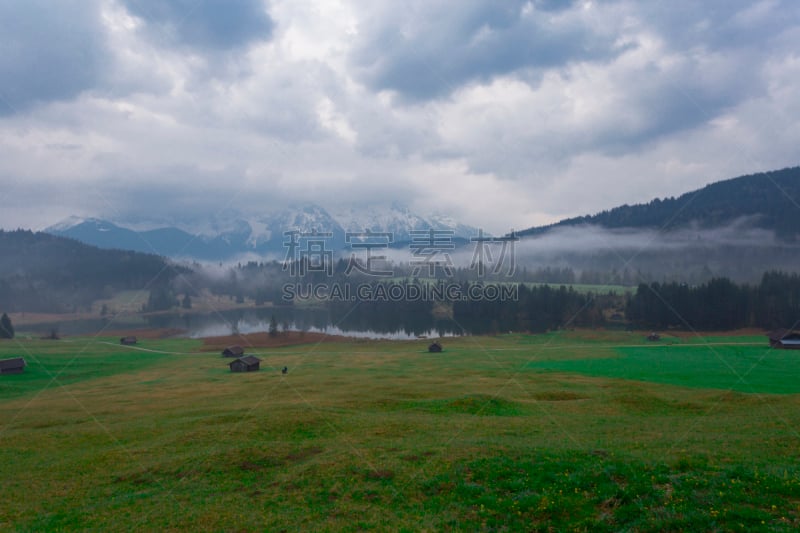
[
  {"x": 128, "y": 341},
  {"x": 784, "y": 339},
  {"x": 435, "y": 347},
  {"x": 248, "y": 363},
  {"x": 12, "y": 366},
  {"x": 233, "y": 351}
]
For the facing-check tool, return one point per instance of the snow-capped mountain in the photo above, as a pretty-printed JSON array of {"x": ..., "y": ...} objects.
[
  {"x": 396, "y": 219},
  {"x": 228, "y": 235}
]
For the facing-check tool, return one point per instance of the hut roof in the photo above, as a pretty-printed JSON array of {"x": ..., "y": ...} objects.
[
  {"x": 777, "y": 334},
  {"x": 783, "y": 335},
  {"x": 247, "y": 363},
  {"x": 17, "y": 363}
]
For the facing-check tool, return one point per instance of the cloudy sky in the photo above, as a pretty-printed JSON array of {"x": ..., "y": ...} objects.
[{"x": 501, "y": 113}]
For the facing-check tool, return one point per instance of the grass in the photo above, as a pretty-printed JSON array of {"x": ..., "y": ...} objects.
[
  {"x": 473, "y": 404},
  {"x": 513, "y": 432},
  {"x": 745, "y": 368},
  {"x": 583, "y": 492},
  {"x": 57, "y": 363}
]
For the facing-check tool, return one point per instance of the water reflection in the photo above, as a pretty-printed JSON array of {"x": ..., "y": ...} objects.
[{"x": 196, "y": 325}]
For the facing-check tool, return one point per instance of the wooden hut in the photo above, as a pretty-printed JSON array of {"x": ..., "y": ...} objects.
[
  {"x": 128, "y": 341},
  {"x": 435, "y": 347},
  {"x": 233, "y": 351},
  {"x": 12, "y": 366},
  {"x": 784, "y": 339},
  {"x": 248, "y": 363}
]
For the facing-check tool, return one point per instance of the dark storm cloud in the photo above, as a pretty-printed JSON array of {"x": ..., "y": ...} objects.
[
  {"x": 48, "y": 51},
  {"x": 454, "y": 44},
  {"x": 205, "y": 24}
]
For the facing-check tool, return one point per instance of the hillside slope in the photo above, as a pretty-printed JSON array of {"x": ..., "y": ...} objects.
[
  {"x": 770, "y": 199},
  {"x": 42, "y": 272}
]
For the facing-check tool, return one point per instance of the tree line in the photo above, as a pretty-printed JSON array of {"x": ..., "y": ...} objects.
[
  {"x": 766, "y": 196},
  {"x": 469, "y": 307},
  {"x": 719, "y": 304}
]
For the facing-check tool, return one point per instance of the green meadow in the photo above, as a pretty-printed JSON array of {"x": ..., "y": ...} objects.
[
  {"x": 568, "y": 431},
  {"x": 744, "y": 368}
]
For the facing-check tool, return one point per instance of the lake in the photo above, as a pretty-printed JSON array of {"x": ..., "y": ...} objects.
[{"x": 197, "y": 325}]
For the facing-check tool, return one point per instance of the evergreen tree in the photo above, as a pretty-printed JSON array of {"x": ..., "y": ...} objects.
[
  {"x": 161, "y": 299},
  {"x": 6, "y": 328},
  {"x": 273, "y": 327}
]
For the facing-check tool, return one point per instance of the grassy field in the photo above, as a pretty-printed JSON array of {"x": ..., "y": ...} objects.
[{"x": 570, "y": 431}]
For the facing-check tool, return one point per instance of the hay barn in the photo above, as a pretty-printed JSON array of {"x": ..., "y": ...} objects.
[
  {"x": 12, "y": 366},
  {"x": 248, "y": 363},
  {"x": 233, "y": 351},
  {"x": 784, "y": 339}
]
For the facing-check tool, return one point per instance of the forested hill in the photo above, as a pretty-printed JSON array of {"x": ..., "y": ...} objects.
[
  {"x": 42, "y": 272},
  {"x": 772, "y": 199}
]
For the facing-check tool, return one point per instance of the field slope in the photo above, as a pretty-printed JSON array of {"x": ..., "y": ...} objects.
[{"x": 565, "y": 431}]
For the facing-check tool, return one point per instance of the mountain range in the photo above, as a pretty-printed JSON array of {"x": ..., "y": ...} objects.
[
  {"x": 765, "y": 201},
  {"x": 229, "y": 235}
]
